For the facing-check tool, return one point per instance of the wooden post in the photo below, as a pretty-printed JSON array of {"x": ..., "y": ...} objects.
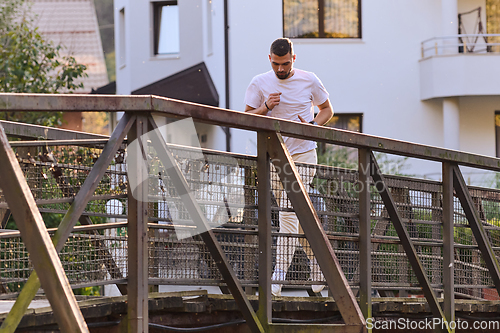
[
  {"x": 137, "y": 234},
  {"x": 448, "y": 244},
  {"x": 265, "y": 241},
  {"x": 365, "y": 245}
]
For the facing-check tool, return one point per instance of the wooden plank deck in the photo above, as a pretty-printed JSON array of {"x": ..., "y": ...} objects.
[{"x": 198, "y": 308}]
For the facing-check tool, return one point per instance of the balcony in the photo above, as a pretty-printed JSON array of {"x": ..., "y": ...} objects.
[{"x": 460, "y": 65}]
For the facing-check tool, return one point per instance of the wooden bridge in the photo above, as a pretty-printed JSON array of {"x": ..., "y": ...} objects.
[{"x": 190, "y": 216}]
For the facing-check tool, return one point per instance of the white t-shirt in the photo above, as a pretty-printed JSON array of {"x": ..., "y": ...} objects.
[{"x": 299, "y": 94}]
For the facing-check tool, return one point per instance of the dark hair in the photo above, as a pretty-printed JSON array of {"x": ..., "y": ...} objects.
[{"x": 281, "y": 47}]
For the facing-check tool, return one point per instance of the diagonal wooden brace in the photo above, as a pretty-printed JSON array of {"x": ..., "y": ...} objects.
[
  {"x": 411, "y": 253},
  {"x": 477, "y": 227},
  {"x": 42, "y": 252},
  {"x": 206, "y": 233},
  {"x": 327, "y": 260},
  {"x": 69, "y": 220}
]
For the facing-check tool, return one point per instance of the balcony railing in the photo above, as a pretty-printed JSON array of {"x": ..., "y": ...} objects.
[{"x": 470, "y": 43}]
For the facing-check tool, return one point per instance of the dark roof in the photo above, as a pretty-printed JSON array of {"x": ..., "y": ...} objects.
[
  {"x": 109, "y": 89},
  {"x": 193, "y": 85}
]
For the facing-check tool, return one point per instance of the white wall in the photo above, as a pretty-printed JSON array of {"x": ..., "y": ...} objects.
[
  {"x": 122, "y": 71},
  {"x": 477, "y": 128},
  {"x": 216, "y": 138},
  {"x": 215, "y": 59},
  {"x": 477, "y": 124},
  {"x": 143, "y": 67},
  {"x": 460, "y": 75},
  {"x": 378, "y": 75}
]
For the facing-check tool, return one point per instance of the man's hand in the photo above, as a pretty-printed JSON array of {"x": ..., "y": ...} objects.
[
  {"x": 302, "y": 119},
  {"x": 324, "y": 115},
  {"x": 273, "y": 100}
]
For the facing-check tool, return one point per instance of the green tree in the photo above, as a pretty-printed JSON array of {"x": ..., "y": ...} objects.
[{"x": 31, "y": 64}]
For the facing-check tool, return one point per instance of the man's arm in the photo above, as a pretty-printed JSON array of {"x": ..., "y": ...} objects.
[
  {"x": 268, "y": 105},
  {"x": 260, "y": 110},
  {"x": 324, "y": 115}
]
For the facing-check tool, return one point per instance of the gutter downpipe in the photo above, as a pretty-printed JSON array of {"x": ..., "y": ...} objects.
[{"x": 226, "y": 63}]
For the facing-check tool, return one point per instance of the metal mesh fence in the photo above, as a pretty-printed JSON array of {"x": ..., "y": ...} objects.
[
  {"x": 56, "y": 173},
  {"x": 91, "y": 257},
  {"x": 188, "y": 260},
  {"x": 225, "y": 186},
  {"x": 472, "y": 277}
]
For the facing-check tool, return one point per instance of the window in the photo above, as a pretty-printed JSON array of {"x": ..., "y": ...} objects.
[
  {"x": 345, "y": 121},
  {"x": 122, "y": 39},
  {"x": 166, "y": 27},
  {"x": 322, "y": 18},
  {"x": 497, "y": 132},
  {"x": 493, "y": 24}
]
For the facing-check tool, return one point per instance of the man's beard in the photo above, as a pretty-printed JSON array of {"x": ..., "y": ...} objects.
[{"x": 283, "y": 76}]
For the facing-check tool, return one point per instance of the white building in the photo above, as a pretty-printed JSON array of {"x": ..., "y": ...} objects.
[{"x": 380, "y": 74}]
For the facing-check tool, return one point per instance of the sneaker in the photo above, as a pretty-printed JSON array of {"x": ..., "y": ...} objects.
[
  {"x": 317, "y": 288},
  {"x": 278, "y": 275},
  {"x": 276, "y": 289},
  {"x": 317, "y": 275}
]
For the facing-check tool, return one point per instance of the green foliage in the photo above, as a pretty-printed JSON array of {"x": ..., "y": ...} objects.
[
  {"x": 51, "y": 220},
  {"x": 493, "y": 17},
  {"x": 88, "y": 291},
  {"x": 31, "y": 64}
]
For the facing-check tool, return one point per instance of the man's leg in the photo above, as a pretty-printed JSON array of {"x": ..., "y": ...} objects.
[
  {"x": 316, "y": 273},
  {"x": 285, "y": 247},
  {"x": 307, "y": 175}
]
